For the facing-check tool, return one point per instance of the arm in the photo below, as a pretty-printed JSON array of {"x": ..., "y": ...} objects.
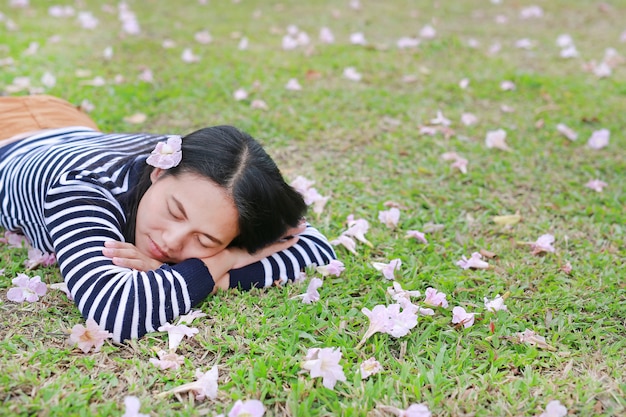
[
  {"x": 311, "y": 248},
  {"x": 80, "y": 216}
]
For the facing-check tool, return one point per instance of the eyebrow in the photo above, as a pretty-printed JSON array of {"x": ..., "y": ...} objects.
[{"x": 180, "y": 207}]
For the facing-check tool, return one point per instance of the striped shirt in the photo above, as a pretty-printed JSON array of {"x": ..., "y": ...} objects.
[{"x": 67, "y": 191}]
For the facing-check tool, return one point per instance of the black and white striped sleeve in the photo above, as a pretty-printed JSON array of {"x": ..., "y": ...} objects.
[
  {"x": 80, "y": 217},
  {"x": 312, "y": 248}
]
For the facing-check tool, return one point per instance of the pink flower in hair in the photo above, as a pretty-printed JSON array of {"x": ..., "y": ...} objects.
[{"x": 166, "y": 154}]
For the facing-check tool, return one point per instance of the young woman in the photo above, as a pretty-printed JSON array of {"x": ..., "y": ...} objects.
[{"x": 143, "y": 237}]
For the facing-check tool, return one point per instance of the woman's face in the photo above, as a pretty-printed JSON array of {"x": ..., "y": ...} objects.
[{"x": 183, "y": 217}]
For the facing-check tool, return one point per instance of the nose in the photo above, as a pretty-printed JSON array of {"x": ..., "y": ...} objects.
[{"x": 174, "y": 239}]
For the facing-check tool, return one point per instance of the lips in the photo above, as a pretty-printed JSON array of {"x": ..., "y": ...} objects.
[{"x": 156, "y": 252}]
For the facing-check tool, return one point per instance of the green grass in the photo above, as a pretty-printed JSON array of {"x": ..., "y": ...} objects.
[{"x": 333, "y": 132}]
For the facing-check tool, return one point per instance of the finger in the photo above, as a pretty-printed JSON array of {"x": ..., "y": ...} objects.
[
  {"x": 137, "y": 264},
  {"x": 121, "y": 253}
]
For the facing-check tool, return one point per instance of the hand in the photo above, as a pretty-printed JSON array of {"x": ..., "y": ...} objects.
[{"x": 127, "y": 255}]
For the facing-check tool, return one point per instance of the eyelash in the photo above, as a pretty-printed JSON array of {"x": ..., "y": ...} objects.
[{"x": 172, "y": 214}]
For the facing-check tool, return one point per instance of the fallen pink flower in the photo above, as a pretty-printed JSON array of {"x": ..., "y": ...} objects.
[
  {"x": 428, "y": 32},
  {"x": 435, "y": 298},
  {"x": 325, "y": 363},
  {"x": 37, "y": 257},
  {"x": 567, "y": 268},
  {"x": 379, "y": 322},
  {"x": 475, "y": 262},
  {"x": 440, "y": 119},
  {"x": 132, "y": 407},
  {"x": 507, "y": 85},
  {"x": 90, "y": 336},
  {"x": 599, "y": 139},
  {"x": 468, "y": 119},
  {"x": 334, "y": 267},
  {"x": 326, "y": 35},
  {"x": 345, "y": 241},
  {"x": 352, "y": 74},
  {"x": 312, "y": 294},
  {"x": 14, "y": 240},
  {"x": 293, "y": 85},
  {"x": 191, "y": 316},
  {"x": 370, "y": 367},
  {"x": 416, "y": 234},
  {"x": 533, "y": 339},
  {"x": 357, "y": 229},
  {"x": 167, "y": 360},
  {"x": 566, "y": 131},
  {"x": 397, "y": 292},
  {"x": 388, "y": 270},
  {"x": 188, "y": 56},
  {"x": 459, "y": 162},
  {"x": 596, "y": 185},
  {"x": 26, "y": 289},
  {"x": 389, "y": 217},
  {"x": 204, "y": 386},
  {"x": 554, "y": 409},
  {"x": 176, "y": 334},
  {"x": 460, "y": 316},
  {"x": 543, "y": 244},
  {"x": 497, "y": 304},
  {"x": 61, "y": 286},
  {"x": 358, "y": 38},
  {"x": 240, "y": 94},
  {"x": 249, "y": 408},
  {"x": 401, "y": 322},
  {"x": 497, "y": 139}
]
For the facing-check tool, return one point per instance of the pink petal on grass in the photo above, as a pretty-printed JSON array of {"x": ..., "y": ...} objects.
[
  {"x": 248, "y": 408},
  {"x": 346, "y": 241},
  {"x": 416, "y": 234},
  {"x": 497, "y": 139},
  {"x": 133, "y": 405},
  {"x": 566, "y": 131},
  {"x": 357, "y": 229},
  {"x": 26, "y": 289},
  {"x": 460, "y": 316},
  {"x": 176, "y": 333},
  {"x": 325, "y": 363},
  {"x": 37, "y": 257},
  {"x": 397, "y": 292},
  {"x": 599, "y": 139},
  {"x": 167, "y": 360},
  {"x": 334, "y": 267},
  {"x": 204, "y": 386},
  {"x": 352, "y": 74},
  {"x": 311, "y": 295},
  {"x": 596, "y": 185},
  {"x": 370, "y": 367},
  {"x": 497, "y": 304},
  {"x": 388, "y": 270},
  {"x": 435, "y": 298},
  {"x": 474, "y": 262},
  {"x": 91, "y": 336},
  {"x": 554, "y": 409},
  {"x": 543, "y": 244},
  {"x": 389, "y": 217}
]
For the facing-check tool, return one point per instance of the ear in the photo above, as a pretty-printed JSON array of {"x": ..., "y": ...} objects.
[{"x": 156, "y": 174}]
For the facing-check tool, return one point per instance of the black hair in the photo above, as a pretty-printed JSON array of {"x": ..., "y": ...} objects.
[{"x": 267, "y": 206}]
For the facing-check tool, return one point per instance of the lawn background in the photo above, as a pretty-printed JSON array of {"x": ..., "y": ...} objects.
[{"x": 361, "y": 144}]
